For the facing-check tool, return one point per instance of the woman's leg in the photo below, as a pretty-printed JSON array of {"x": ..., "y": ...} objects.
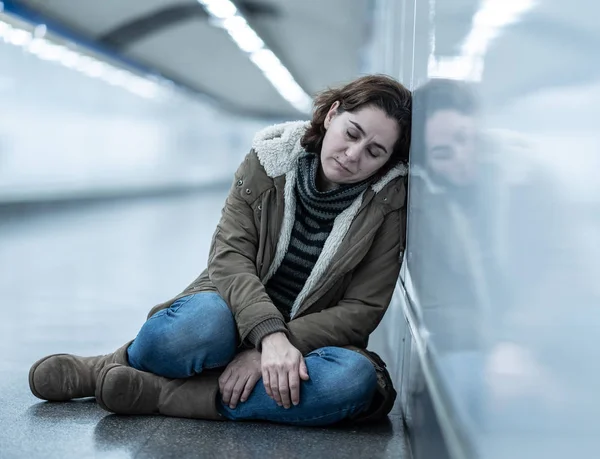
[
  {"x": 342, "y": 383},
  {"x": 197, "y": 332}
]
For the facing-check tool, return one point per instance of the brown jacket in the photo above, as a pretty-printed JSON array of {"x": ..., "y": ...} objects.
[{"x": 351, "y": 285}]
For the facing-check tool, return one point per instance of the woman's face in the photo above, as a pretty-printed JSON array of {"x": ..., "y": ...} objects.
[
  {"x": 356, "y": 144},
  {"x": 450, "y": 144}
]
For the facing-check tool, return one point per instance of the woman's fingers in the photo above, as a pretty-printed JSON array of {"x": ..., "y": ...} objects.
[
  {"x": 240, "y": 377},
  {"x": 303, "y": 370},
  {"x": 294, "y": 380},
  {"x": 267, "y": 383},
  {"x": 228, "y": 388},
  {"x": 271, "y": 382},
  {"x": 274, "y": 382},
  {"x": 237, "y": 392},
  {"x": 284, "y": 387},
  {"x": 249, "y": 387}
]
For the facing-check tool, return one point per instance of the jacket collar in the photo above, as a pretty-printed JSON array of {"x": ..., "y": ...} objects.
[{"x": 278, "y": 148}]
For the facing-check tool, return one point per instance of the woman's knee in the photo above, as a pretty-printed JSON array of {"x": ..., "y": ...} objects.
[
  {"x": 349, "y": 375},
  {"x": 154, "y": 344},
  {"x": 193, "y": 325}
]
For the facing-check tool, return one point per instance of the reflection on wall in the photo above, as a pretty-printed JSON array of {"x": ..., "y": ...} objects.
[
  {"x": 449, "y": 225},
  {"x": 62, "y": 132},
  {"x": 502, "y": 260}
]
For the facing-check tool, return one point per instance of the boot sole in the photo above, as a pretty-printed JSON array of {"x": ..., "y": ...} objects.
[{"x": 32, "y": 371}]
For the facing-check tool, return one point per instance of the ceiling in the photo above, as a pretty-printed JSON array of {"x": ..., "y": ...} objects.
[{"x": 318, "y": 41}]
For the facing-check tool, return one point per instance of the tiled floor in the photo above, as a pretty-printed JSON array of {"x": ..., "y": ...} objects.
[{"x": 81, "y": 280}]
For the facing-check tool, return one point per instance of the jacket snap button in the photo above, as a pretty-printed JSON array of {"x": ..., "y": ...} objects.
[
  {"x": 240, "y": 182},
  {"x": 248, "y": 191},
  {"x": 384, "y": 199},
  {"x": 259, "y": 207}
]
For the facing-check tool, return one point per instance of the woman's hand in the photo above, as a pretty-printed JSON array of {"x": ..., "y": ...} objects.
[
  {"x": 239, "y": 378},
  {"x": 282, "y": 368}
]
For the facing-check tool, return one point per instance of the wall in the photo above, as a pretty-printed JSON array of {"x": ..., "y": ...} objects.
[{"x": 495, "y": 344}]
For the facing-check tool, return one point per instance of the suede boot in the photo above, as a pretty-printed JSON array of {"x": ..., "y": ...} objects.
[
  {"x": 125, "y": 390},
  {"x": 62, "y": 377}
]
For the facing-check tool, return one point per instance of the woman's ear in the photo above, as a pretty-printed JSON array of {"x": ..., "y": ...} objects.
[{"x": 331, "y": 113}]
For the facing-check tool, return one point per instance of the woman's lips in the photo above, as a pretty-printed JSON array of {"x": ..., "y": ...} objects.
[{"x": 345, "y": 169}]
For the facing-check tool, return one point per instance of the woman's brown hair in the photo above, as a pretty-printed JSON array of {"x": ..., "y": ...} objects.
[{"x": 378, "y": 91}]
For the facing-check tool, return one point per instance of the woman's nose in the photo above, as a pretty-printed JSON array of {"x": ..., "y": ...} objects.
[{"x": 353, "y": 152}]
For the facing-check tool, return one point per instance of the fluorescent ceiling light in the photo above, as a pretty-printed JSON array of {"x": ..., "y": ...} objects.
[
  {"x": 227, "y": 16},
  {"x": 487, "y": 24},
  {"x": 494, "y": 13},
  {"x": 19, "y": 37},
  {"x": 95, "y": 69},
  {"x": 489, "y": 20},
  {"x": 281, "y": 79},
  {"x": 455, "y": 67},
  {"x": 243, "y": 35},
  {"x": 221, "y": 9},
  {"x": 69, "y": 58},
  {"x": 45, "y": 49}
]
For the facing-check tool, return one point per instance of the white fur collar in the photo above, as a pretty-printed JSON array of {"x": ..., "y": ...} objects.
[
  {"x": 278, "y": 146},
  {"x": 278, "y": 149}
]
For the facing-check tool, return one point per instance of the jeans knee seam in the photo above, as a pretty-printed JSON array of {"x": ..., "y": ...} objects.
[
  {"x": 317, "y": 352},
  {"x": 181, "y": 303},
  {"x": 162, "y": 312}
]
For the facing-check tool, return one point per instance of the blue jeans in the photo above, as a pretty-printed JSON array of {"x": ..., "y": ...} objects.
[{"x": 198, "y": 332}]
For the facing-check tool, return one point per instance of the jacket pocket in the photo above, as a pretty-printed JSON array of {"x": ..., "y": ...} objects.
[{"x": 260, "y": 221}]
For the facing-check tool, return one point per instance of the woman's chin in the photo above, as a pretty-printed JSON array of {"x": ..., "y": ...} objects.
[{"x": 333, "y": 177}]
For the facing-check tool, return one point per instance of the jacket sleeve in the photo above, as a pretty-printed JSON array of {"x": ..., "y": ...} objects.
[
  {"x": 232, "y": 262},
  {"x": 366, "y": 300}
]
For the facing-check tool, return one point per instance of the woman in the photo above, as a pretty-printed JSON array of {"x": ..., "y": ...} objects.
[{"x": 301, "y": 269}]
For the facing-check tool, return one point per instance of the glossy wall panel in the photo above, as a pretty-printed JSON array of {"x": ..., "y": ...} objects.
[{"x": 504, "y": 216}]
